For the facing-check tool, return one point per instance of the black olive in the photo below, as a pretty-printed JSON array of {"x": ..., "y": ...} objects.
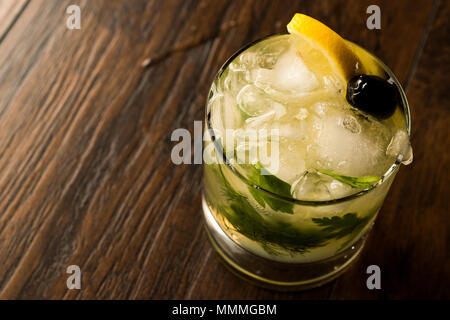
[{"x": 373, "y": 95}]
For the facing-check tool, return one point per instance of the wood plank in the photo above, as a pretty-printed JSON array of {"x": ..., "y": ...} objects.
[
  {"x": 10, "y": 11},
  {"x": 85, "y": 123},
  {"x": 411, "y": 235},
  {"x": 65, "y": 137}
]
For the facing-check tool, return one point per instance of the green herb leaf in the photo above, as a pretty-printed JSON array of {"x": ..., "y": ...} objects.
[
  {"x": 258, "y": 197},
  {"x": 272, "y": 235},
  {"x": 270, "y": 183},
  {"x": 365, "y": 182},
  {"x": 275, "y": 235},
  {"x": 338, "y": 227}
]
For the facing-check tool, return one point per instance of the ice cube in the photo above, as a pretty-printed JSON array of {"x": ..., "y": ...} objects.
[
  {"x": 302, "y": 114},
  {"x": 286, "y": 129},
  {"x": 287, "y": 167},
  {"x": 333, "y": 84},
  {"x": 319, "y": 108},
  {"x": 349, "y": 122},
  {"x": 259, "y": 121},
  {"x": 246, "y": 142},
  {"x": 314, "y": 186},
  {"x": 247, "y": 60},
  {"x": 289, "y": 75},
  {"x": 279, "y": 109},
  {"x": 255, "y": 103},
  {"x": 338, "y": 189},
  {"x": 310, "y": 186},
  {"x": 348, "y": 144},
  {"x": 400, "y": 147},
  {"x": 272, "y": 143},
  {"x": 268, "y": 52},
  {"x": 264, "y": 55}
]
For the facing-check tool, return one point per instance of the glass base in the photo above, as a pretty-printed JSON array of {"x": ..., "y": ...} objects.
[{"x": 273, "y": 274}]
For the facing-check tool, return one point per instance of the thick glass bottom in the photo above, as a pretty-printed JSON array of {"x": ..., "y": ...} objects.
[{"x": 273, "y": 274}]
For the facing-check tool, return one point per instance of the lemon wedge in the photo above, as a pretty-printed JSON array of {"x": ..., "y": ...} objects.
[{"x": 334, "y": 55}]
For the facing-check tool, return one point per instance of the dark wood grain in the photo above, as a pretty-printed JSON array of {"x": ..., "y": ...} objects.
[
  {"x": 411, "y": 236},
  {"x": 10, "y": 11},
  {"x": 85, "y": 123}
]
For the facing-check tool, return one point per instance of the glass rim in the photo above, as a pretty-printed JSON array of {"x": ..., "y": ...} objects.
[{"x": 389, "y": 172}]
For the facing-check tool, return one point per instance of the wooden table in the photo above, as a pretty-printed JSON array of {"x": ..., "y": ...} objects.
[{"x": 86, "y": 176}]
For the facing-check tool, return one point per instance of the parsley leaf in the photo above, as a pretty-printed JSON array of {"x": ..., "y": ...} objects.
[
  {"x": 272, "y": 235},
  {"x": 339, "y": 227},
  {"x": 275, "y": 235}
]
